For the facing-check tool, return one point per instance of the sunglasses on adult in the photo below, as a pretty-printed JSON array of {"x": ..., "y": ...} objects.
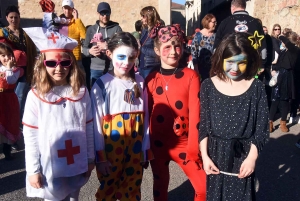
[
  {"x": 107, "y": 13},
  {"x": 276, "y": 29},
  {"x": 53, "y": 63}
]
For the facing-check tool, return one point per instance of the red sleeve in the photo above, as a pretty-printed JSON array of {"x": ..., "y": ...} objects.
[{"x": 194, "y": 118}]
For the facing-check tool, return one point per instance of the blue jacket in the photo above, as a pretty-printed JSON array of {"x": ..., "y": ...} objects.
[{"x": 148, "y": 57}]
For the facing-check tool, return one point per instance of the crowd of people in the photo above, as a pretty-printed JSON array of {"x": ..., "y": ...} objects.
[{"x": 206, "y": 102}]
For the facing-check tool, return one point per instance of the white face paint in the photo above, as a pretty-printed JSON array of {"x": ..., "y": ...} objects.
[{"x": 123, "y": 58}]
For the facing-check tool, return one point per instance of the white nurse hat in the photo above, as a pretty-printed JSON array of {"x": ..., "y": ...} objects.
[{"x": 48, "y": 40}]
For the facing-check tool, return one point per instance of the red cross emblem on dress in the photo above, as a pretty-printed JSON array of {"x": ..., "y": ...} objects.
[
  {"x": 69, "y": 152},
  {"x": 53, "y": 38}
]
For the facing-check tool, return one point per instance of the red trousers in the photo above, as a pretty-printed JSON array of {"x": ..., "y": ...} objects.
[{"x": 160, "y": 170}]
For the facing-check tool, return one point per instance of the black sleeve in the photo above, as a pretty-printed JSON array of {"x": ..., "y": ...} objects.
[
  {"x": 219, "y": 35},
  {"x": 276, "y": 46},
  {"x": 290, "y": 46}
]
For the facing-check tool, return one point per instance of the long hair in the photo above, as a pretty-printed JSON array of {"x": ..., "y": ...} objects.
[
  {"x": 126, "y": 39},
  {"x": 235, "y": 44},
  {"x": 152, "y": 15},
  {"x": 273, "y": 34},
  {"x": 43, "y": 83},
  {"x": 6, "y": 49},
  {"x": 207, "y": 19}
]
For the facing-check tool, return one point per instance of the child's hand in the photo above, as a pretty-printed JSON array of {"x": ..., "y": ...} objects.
[
  {"x": 36, "y": 181},
  {"x": 91, "y": 166},
  {"x": 145, "y": 165},
  {"x": 104, "y": 167},
  {"x": 209, "y": 166},
  {"x": 247, "y": 168},
  {"x": 11, "y": 63}
]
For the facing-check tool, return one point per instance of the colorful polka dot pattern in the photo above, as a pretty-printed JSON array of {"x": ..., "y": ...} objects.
[{"x": 123, "y": 135}]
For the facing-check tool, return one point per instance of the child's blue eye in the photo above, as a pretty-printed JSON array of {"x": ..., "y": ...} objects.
[{"x": 121, "y": 56}]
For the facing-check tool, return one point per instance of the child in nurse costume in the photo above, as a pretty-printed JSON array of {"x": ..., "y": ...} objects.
[
  {"x": 121, "y": 124},
  {"x": 58, "y": 122}
]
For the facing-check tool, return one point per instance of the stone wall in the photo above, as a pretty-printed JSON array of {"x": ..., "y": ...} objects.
[
  {"x": 284, "y": 12},
  {"x": 126, "y": 12}
]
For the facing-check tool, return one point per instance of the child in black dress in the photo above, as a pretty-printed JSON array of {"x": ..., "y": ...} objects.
[{"x": 234, "y": 120}]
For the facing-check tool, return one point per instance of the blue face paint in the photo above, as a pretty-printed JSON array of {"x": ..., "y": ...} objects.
[{"x": 235, "y": 66}]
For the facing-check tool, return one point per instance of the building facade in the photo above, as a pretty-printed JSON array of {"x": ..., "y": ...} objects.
[
  {"x": 284, "y": 12},
  {"x": 125, "y": 12}
]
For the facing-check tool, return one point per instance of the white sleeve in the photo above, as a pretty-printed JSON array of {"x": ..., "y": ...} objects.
[
  {"x": 12, "y": 76},
  {"x": 31, "y": 132},
  {"x": 97, "y": 102},
  {"x": 89, "y": 129}
]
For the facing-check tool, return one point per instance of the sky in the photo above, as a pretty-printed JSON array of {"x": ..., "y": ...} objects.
[{"x": 179, "y": 1}]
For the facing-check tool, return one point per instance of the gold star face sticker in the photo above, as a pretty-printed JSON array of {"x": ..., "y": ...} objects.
[{"x": 256, "y": 40}]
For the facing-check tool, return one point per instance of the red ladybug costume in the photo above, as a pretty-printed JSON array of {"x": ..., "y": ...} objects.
[{"x": 173, "y": 93}]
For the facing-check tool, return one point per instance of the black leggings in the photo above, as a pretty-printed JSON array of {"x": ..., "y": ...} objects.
[{"x": 283, "y": 107}]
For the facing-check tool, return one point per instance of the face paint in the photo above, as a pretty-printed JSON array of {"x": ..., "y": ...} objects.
[
  {"x": 170, "y": 52},
  {"x": 235, "y": 66},
  {"x": 123, "y": 59}
]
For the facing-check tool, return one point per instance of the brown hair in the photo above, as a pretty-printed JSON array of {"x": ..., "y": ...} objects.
[
  {"x": 275, "y": 25},
  {"x": 206, "y": 20},
  {"x": 235, "y": 44},
  {"x": 294, "y": 38},
  {"x": 5, "y": 49},
  {"x": 239, "y": 3},
  {"x": 43, "y": 83},
  {"x": 152, "y": 15}
]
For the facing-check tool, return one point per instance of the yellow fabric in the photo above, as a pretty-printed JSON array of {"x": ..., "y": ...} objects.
[
  {"x": 123, "y": 135},
  {"x": 77, "y": 31}
]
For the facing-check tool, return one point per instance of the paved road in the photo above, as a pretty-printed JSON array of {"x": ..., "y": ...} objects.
[{"x": 278, "y": 177}]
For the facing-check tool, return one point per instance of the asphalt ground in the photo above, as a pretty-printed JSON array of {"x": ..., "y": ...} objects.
[{"x": 277, "y": 172}]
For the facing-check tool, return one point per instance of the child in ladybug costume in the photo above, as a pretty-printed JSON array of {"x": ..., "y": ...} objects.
[{"x": 173, "y": 94}]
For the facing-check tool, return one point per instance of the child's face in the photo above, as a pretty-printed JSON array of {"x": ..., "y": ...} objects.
[
  {"x": 4, "y": 58},
  {"x": 59, "y": 72},
  {"x": 235, "y": 66},
  {"x": 123, "y": 59},
  {"x": 170, "y": 52}
]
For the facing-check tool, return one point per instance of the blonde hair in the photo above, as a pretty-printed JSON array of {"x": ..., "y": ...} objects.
[
  {"x": 275, "y": 25},
  {"x": 43, "y": 83}
]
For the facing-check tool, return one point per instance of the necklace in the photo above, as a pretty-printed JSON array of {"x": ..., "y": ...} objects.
[{"x": 167, "y": 83}]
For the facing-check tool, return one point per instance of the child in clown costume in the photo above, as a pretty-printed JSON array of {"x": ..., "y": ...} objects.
[
  {"x": 119, "y": 105},
  {"x": 173, "y": 95},
  {"x": 58, "y": 122}
]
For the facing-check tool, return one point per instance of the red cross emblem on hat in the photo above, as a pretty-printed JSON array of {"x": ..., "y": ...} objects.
[
  {"x": 69, "y": 152},
  {"x": 53, "y": 38}
]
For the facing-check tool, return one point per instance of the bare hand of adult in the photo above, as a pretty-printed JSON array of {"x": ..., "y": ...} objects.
[
  {"x": 102, "y": 46},
  {"x": 36, "y": 181},
  {"x": 247, "y": 168},
  {"x": 104, "y": 167},
  {"x": 75, "y": 13},
  {"x": 209, "y": 166},
  {"x": 273, "y": 73},
  {"x": 95, "y": 51}
]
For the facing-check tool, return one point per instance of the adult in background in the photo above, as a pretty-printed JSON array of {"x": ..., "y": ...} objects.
[
  {"x": 202, "y": 46},
  {"x": 241, "y": 21},
  {"x": 285, "y": 90},
  {"x": 276, "y": 31},
  {"x": 74, "y": 29},
  {"x": 148, "y": 60},
  {"x": 100, "y": 63},
  {"x": 24, "y": 51},
  {"x": 266, "y": 75}
]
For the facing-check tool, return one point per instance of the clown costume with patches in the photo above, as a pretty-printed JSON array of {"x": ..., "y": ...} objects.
[
  {"x": 58, "y": 122},
  {"x": 173, "y": 96},
  {"x": 119, "y": 104}
]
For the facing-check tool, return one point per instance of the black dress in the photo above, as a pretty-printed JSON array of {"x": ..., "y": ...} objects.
[{"x": 231, "y": 124}]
